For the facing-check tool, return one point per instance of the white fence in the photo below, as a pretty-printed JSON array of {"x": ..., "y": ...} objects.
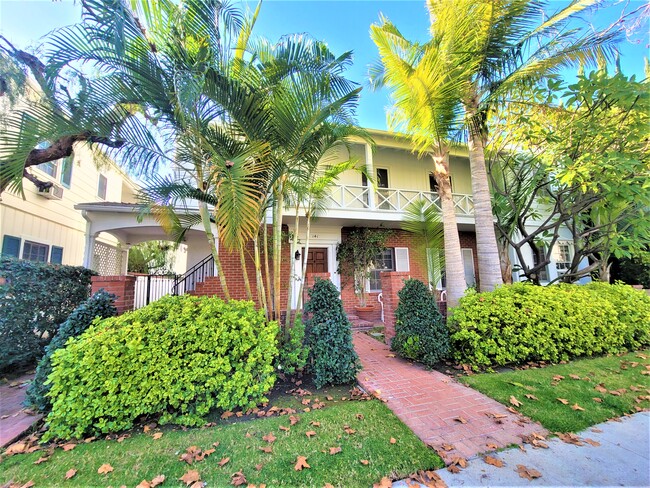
[{"x": 149, "y": 288}]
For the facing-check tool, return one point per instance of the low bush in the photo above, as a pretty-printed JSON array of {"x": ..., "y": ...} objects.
[
  {"x": 178, "y": 357},
  {"x": 332, "y": 359},
  {"x": 522, "y": 322},
  {"x": 293, "y": 352},
  {"x": 34, "y": 300},
  {"x": 99, "y": 306},
  {"x": 420, "y": 331}
]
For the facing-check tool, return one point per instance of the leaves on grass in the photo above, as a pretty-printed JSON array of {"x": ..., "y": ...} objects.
[
  {"x": 293, "y": 419},
  {"x": 577, "y": 407},
  {"x": 285, "y": 429},
  {"x": 194, "y": 454},
  {"x": 270, "y": 438},
  {"x": 301, "y": 462},
  {"x": 105, "y": 469},
  {"x": 158, "y": 480},
  {"x": 531, "y": 397},
  {"x": 563, "y": 401},
  {"x": 157, "y": 436},
  {"x": 41, "y": 459},
  {"x": 335, "y": 450},
  {"x": 597, "y": 399},
  {"x": 310, "y": 434},
  {"x": 574, "y": 377},
  {"x": 348, "y": 430},
  {"x": 192, "y": 476},
  {"x": 238, "y": 479},
  {"x": 461, "y": 420},
  {"x": 528, "y": 473},
  {"x": 600, "y": 388},
  {"x": 365, "y": 462},
  {"x": 70, "y": 473},
  {"x": 393, "y": 440},
  {"x": 266, "y": 449},
  {"x": 16, "y": 448},
  {"x": 29, "y": 484},
  {"x": 383, "y": 483},
  {"x": 515, "y": 402},
  {"x": 493, "y": 461},
  {"x": 68, "y": 447},
  {"x": 314, "y": 424},
  {"x": 558, "y": 377},
  {"x": 223, "y": 462}
]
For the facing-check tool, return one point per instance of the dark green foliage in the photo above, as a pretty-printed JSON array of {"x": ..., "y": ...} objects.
[
  {"x": 522, "y": 322},
  {"x": 420, "y": 331},
  {"x": 179, "y": 358},
  {"x": 99, "y": 306},
  {"x": 34, "y": 301},
  {"x": 634, "y": 270},
  {"x": 332, "y": 358},
  {"x": 293, "y": 351}
]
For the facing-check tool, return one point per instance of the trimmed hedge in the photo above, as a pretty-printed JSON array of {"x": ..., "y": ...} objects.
[
  {"x": 420, "y": 330},
  {"x": 179, "y": 358},
  {"x": 332, "y": 358},
  {"x": 522, "y": 322},
  {"x": 34, "y": 301},
  {"x": 99, "y": 306}
]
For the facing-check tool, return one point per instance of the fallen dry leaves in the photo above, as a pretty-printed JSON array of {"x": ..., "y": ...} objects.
[
  {"x": 335, "y": 450},
  {"x": 383, "y": 483},
  {"x": 301, "y": 463},
  {"x": 223, "y": 462},
  {"x": 195, "y": 454},
  {"x": 430, "y": 479},
  {"x": 563, "y": 401},
  {"x": 528, "y": 473},
  {"x": 105, "y": 469},
  {"x": 70, "y": 473},
  {"x": 457, "y": 463},
  {"x": 577, "y": 407},
  {"x": 513, "y": 400},
  {"x": 192, "y": 476},
  {"x": 365, "y": 462},
  {"x": 310, "y": 434},
  {"x": 238, "y": 479},
  {"x": 270, "y": 438},
  {"x": 493, "y": 461},
  {"x": 266, "y": 449},
  {"x": 531, "y": 397},
  {"x": 393, "y": 440},
  {"x": 68, "y": 447},
  {"x": 462, "y": 420},
  {"x": 157, "y": 436}
]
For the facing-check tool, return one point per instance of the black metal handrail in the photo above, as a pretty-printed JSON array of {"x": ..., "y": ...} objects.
[{"x": 196, "y": 274}]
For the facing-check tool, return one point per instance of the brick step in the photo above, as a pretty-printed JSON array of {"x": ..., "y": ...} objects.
[
  {"x": 359, "y": 324},
  {"x": 352, "y": 317}
]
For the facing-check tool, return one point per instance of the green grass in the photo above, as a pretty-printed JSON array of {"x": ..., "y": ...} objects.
[
  {"x": 141, "y": 457},
  {"x": 614, "y": 373}
]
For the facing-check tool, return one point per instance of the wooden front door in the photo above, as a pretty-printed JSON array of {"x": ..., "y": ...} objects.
[{"x": 316, "y": 260}]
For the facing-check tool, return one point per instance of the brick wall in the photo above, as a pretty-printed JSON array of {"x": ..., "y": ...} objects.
[
  {"x": 391, "y": 283},
  {"x": 121, "y": 286}
]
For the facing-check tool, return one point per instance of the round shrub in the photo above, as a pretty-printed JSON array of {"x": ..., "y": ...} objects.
[
  {"x": 420, "y": 331},
  {"x": 523, "y": 322},
  {"x": 332, "y": 359},
  {"x": 99, "y": 306},
  {"x": 179, "y": 357}
]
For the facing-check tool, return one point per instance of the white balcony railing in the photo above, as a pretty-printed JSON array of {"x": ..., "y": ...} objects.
[{"x": 355, "y": 197}]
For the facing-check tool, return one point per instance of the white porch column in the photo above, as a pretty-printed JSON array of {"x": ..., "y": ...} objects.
[
  {"x": 89, "y": 251},
  {"x": 124, "y": 264},
  {"x": 370, "y": 170}
]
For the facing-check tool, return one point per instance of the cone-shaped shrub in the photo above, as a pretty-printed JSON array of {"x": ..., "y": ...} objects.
[
  {"x": 420, "y": 331},
  {"x": 332, "y": 358}
]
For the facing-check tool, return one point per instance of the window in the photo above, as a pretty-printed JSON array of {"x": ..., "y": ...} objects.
[
  {"x": 385, "y": 261},
  {"x": 57, "y": 255},
  {"x": 66, "y": 172},
  {"x": 468, "y": 265},
  {"x": 539, "y": 257},
  {"x": 33, "y": 251},
  {"x": 11, "y": 246},
  {"x": 101, "y": 187},
  {"x": 49, "y": 168},
  {"x": 563, "y": 257}
]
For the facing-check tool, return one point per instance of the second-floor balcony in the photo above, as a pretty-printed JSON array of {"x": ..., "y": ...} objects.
[{"x": 357, "y": 197}]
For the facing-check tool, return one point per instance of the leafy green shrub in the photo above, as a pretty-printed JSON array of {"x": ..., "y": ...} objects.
[
  {"x": 293, "y": 351},
  {"x": 522, "y": 322},
  {"x": 420, "y": 331},
  {"x": 332, "y": 358},
  {"x": 99, "y": 306},
  {"x": 179, "y": 357},
  {"x": 34, "y": 301}
]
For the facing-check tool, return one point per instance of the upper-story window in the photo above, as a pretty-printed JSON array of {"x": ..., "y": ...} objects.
[
  {"x": 382, "y": 178},
  {"x": 101, "y": 187},
  {"x": 66, "y": 171},
  {"x": 61, "y": 168},
  {"x": 564, "y": 256},
  {"x": 433, "y": 184}
]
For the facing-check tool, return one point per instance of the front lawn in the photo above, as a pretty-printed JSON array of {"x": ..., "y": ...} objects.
[
  {"x": 370, "y": 427},
  {"x": 570, "y": 397}
]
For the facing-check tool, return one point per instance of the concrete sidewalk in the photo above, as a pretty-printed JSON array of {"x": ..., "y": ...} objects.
[{"x": 621, "y": 459}]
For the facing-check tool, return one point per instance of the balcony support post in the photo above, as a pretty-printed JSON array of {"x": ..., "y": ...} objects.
[{"x": 370, "y": 170}]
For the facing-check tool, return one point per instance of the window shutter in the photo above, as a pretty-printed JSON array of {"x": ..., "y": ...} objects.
[
  {"x": 402, "y": 259},
  {"x": 11, "y": 246},
  {"x": 57, "y": 255}
]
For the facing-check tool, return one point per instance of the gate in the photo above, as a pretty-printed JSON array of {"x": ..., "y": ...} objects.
[{"x": 149, "y": 288}]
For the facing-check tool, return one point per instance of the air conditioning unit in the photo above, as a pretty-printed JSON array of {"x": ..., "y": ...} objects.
[{"x": 54, "y": 192}]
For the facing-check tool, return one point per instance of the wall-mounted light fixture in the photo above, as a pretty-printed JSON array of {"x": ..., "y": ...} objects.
[{"x": 297, "y": 255}]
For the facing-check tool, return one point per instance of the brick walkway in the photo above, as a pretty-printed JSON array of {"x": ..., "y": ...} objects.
[
  {"x": 13, "y": 418},
  {"x": 429, "y": 401}
]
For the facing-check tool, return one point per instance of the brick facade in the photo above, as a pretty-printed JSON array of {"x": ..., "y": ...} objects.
[
  {"x": 391, "y": 283},
  {"x": 121, "y": 286}
]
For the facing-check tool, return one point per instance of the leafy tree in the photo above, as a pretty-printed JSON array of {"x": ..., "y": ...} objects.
[
  {"x": 151, "y": 257},
  {"x": 578, "y": 160}
]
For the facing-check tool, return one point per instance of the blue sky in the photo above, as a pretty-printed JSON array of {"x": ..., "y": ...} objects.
[{"x": 343, "y": 24}]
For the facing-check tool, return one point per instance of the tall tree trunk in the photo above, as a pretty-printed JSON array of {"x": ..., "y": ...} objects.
[
  {"x": 506, "y": 262},
  {"x": 261, "y": 293},
  {"x": 242, "y": 261},
  {"x": 303, "y": 274},
  {"x": 277, "y": 251},
  {"x": 267, "y": 273},
  {"x": 294, "y": 247},
  {"x": 207, "y": 226},
  {"x": 454, "y": 269},
  {"x": 489, "y": 263}
]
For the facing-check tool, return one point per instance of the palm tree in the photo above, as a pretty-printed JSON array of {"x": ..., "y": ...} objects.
[
  {"x": 510, "y": 43},
  {"x": 423, "y": 79}
]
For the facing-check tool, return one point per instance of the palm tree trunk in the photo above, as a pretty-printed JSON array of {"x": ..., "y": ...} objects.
[
  {"x": 261, "y": 293},
  {"x": 303, "y": 274},
  {"x": 277, "y": 251},
  {"x": 242, "y": 261},
  {"x": 489, "y": 262},
  {"x": 267, "y": 273},
  {"x": 454, "y": 270},
  {"x": 294, "y": 247},
  {"x": 207, "y": 226}
]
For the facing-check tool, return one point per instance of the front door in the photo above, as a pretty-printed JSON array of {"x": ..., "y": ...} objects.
[{"x": 316, "y": 260}]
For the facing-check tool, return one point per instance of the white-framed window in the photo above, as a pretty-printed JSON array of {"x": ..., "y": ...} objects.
[
  {"x": 563, "y": 256},
  {"x": 385, "y": 261},
  {"x": 35, "y": 251},
  {"x": 102, "y": 183}
]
